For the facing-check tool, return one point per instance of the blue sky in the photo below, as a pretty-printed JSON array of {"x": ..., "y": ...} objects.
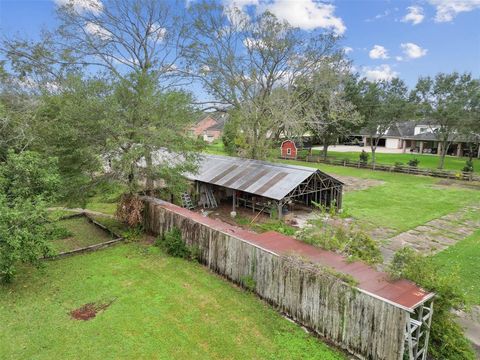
[{"x": 384, "y": 38}]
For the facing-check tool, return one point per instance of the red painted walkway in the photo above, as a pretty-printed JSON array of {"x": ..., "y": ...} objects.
[{"x": 402, "y": 293}]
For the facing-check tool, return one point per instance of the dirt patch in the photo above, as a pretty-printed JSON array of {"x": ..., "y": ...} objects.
[
  {"x": 446, "y": 183},
  {"x": 354, "y": 184},
  {"x": 89, "y": 311}
]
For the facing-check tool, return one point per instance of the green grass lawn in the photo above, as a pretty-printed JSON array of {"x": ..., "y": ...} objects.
[
  {"x": 83, "y": 233},
  {"x": 402, "y": 201},
  {"x": 426, "y": 161},
  {"x": 463, "y": 259},
  {"x": 163, "y": 308}
]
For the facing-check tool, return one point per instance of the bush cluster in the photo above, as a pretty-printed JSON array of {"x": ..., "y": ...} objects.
[
  {"x": 468, "y": 166},
  {"x": 447, "y": 340},
  {"x": 355, "y": 244},
  {"x": 413, "y": 162},
  {"x": 249, "y": 283},
  {"x": 172, "y": 243},
  {"x": 345, "y": 239},
  {"x": 363, "y": 157}
]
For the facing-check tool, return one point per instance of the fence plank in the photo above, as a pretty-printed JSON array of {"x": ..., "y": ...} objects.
[
  {"x": 460, "y": 175},
  {"x": 363, "y": 325}
]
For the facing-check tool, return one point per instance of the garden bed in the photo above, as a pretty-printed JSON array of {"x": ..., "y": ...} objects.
[{"x": 82, "y": 233}]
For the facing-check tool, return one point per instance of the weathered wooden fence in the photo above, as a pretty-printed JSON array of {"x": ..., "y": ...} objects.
[
  {"x": 363, "y": 325},
  {"x": 405, "y": 169}
]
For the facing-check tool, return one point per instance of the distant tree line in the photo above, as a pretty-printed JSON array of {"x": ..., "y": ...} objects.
[{"x": 105, "y": 98}]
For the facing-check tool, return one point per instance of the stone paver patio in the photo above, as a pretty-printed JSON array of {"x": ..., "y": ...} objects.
[{"x": 435, "y": 235}]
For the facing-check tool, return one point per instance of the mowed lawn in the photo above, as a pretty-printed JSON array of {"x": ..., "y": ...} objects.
[
  {"x": 453, "y": 163},
  {"x": 402, "y": 201},
  {"x": 82, "y": 233},
  {"x": 163, "y": 308},
  {"x": 463, "y": 260}
]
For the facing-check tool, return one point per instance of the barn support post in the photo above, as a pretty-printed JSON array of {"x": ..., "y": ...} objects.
[
  {"x": 233, "y": 200},
  {"x": 280, "y": 209}
]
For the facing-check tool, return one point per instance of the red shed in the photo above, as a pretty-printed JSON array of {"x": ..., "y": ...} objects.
[{"x": 288, "y": 149}]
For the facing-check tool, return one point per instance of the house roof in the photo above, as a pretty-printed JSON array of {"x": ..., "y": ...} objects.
[
  {"x": 399, "y": 129},
  {"x": 219, "y": 117},
  {"x": 271, "y": 180},
  {"x": 406, "y": 130}
]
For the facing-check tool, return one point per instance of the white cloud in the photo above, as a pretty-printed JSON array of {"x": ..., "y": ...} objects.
[
  {"x": 81, "y": 6},
  {"x": 97, "y": 30},
  {"x": 158, "y": 31},
  {"x": 448, "y": 9},
  {"x": 378, "y": 52},
  {"x": 253, "y": 43},
  {"x": 307, "y": 14},
  {"x": 379, "y": 16},
  {"x": 413, "y": 51},
  {"x": 415, "y": 15},
  {"x": 347, "y": 49},
  {"x": 382, "y": 72},
  {"x": 240, "y": 4}
]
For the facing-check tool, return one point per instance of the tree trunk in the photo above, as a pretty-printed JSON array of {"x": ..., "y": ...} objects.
[
  {"x": 445, "y": 146},
  {"x": 325, "y": 149},
  {"x": 373, "y": 146},
  {"x": 470, "y": 151}
]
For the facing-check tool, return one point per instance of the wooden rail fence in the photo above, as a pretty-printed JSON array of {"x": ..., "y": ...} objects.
[{"x": 405, "y": 169}]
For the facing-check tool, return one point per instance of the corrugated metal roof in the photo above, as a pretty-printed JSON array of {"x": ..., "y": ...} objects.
[{"x": 270, "y": 180}]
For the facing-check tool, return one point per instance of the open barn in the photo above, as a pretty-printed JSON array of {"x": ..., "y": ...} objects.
[{"x": 263, "y": 186}]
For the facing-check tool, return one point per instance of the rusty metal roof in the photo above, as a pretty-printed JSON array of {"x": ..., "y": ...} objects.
[
  {"x": 271, "y": 180},
  {"x": 401, "y": 293}
]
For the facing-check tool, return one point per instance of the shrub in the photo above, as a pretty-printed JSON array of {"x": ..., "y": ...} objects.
[
  {"x": 195, "y": 253},
  {"x": 354, "y": 243},
  {"x": 364, "y": 157},
  {"x": 413, "y": 162},
  {"x": 173, "y": 244},
  {"x": 468, "y": 166},
  {"x": 133, "y": 234},
  {"x": 276, "y": 225},
  {"x": 59, "y": 232},
  {"x": 447, "y": 340},
  {"x": 398, "y": 164},
  {"x": 249, "y": 283},
  {"x": 363, "y": 247},
  {"x": 24, "y": 235},
  {"x": 129, "y": 210}
]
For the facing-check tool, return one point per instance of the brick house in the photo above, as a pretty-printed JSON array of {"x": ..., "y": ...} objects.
[{"x": 209, "y": 126}]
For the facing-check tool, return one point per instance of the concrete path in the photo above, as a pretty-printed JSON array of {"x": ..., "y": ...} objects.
[
  {"x": 470, "y": 322},
  {"x": 435, "y": 235}
]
